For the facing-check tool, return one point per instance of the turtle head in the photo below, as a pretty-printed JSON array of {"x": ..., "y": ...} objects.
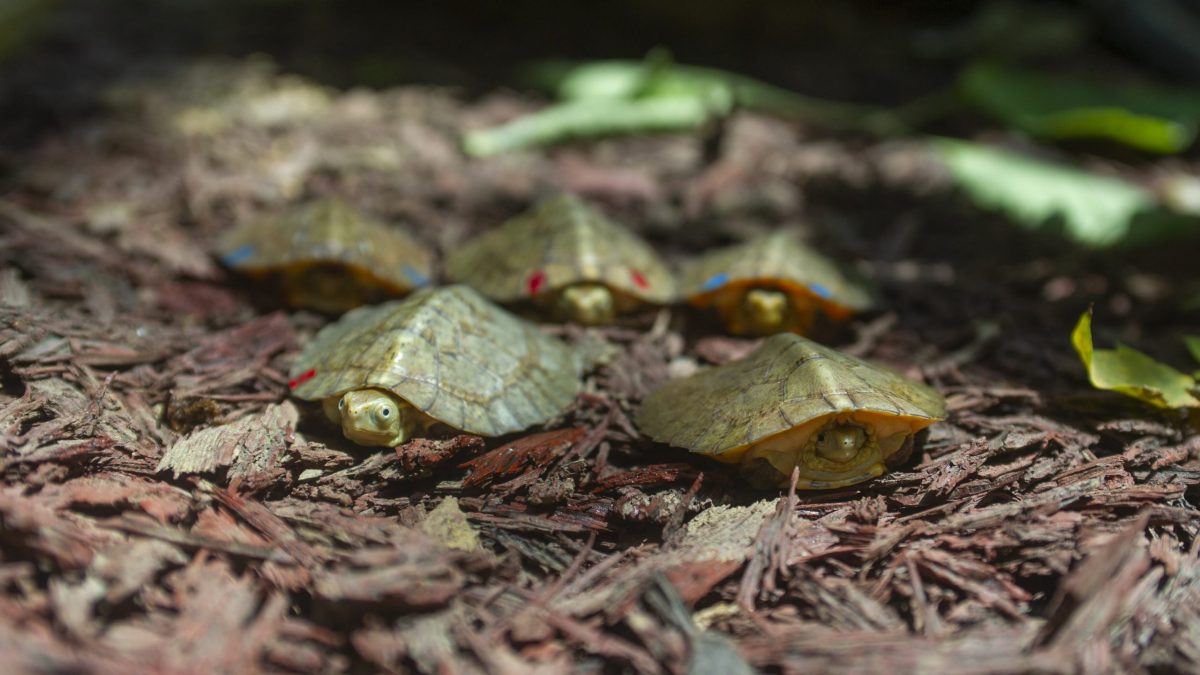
[
  {"x": 589, "y": 304},
  {"x": 763, "y": 311},
  {"x": 841, "y": 453},
  {"x": 374, "y": 417},
  {"x": 766, "y": 311},
  {"x": 840, "y": 442},
  {"x": 766, "y": 308}
]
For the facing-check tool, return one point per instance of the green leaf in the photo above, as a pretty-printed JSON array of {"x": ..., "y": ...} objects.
[
  {"x": 1130, "y": 372},
  {"x": 659, "y": 76},
  {"x": 590, "y": 119},
  {"x": 1193, "y": 346},
  {"x": 1154, "y": 119},
  {"x": 1095, "y": 210},
  {"x": 655, "y": 76},
  {"x": 601, "y": 98},
  {"x": 595, "y": 80}
]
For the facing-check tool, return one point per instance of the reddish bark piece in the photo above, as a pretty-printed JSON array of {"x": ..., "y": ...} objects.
[
  {"x": 198, "y": 299},
  {"x": 222, "y": 525},
  {"x": 400, "y": 586},
  {"x": 422, "y": 454},
  {"x": 1090, "y": 600},
  {"x": 772, "y": 549},
  {"x": 506, "y": 461},
  {"x": 223, "y": 623},
  {"x": 591, "y": 514},
  {"x": 606, "y": 644},
  {"x": 585, "y": 176},
  {"x": 30, "y": 646},
  {"x": 517, "y": 517},
  {"x": 805, "y": 648},
  {"x": 66, "y": 539},
  {"x": 696, "y": 579},
  {"x": 250, "y": 343},
  {"x": 652, "y": 474},
  {"x": 382, "y": 647},
  {"x": 272, "y": 527},
  {"x": 718, "y": 349},
  {"x": 417, "y": 573},
  {"x": 161, "y": 501}
]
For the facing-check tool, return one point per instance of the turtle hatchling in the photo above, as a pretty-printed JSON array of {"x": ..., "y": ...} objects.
[
  {"x": 328, "y": 256},
  {"x": 568, "y": 260},
  {"x": 447, "y": 356},
  {"x": 795, "y": 403},
  {"x": 771, "y": 284}
]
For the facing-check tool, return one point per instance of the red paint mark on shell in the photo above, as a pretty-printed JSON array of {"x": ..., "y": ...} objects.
[
  {"x": 638, "y": 279},
  {"x": 536, "y": 281},
  {"x": 302, "y": 378}
]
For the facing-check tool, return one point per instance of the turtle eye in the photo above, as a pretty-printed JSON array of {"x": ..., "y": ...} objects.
[
  {"x": 385, "y": 411},
  {"x": 342, "y": 404}
]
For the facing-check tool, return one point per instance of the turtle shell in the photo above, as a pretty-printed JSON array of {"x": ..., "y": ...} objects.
[
  {"x": 451, "y": 354},
  {"x": 559, "y": 242},
  {"x": 786, "y": 389},
  {"x": 778, "y": 260},
  {"x": 329, "y": 233}
]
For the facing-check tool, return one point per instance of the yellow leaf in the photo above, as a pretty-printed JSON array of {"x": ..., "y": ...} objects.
[{"x": 1133, "y": 373}]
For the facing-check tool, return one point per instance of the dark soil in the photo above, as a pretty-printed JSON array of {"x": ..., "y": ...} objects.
[{"x": 166, "y": 507}]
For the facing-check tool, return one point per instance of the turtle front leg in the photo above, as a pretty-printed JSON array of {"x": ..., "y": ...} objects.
[{"x": 897, "y": 449}]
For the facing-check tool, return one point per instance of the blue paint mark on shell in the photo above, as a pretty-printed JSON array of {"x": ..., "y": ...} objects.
[
  {"x": 820, "y": 291},
  {"x": 238, "y": 255},
  {"x": 414, "y": 275},
  {"x": 716, "y": 281}
]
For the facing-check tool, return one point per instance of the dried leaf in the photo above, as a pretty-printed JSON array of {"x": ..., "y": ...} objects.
[{"x": 1131, "y": 372}]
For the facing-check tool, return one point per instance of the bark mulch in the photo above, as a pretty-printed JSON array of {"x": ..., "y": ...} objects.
[{"x": 166, "y": 507}]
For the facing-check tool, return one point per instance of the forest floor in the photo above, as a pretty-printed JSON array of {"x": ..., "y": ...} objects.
[{"x": 166, "y": 507}]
